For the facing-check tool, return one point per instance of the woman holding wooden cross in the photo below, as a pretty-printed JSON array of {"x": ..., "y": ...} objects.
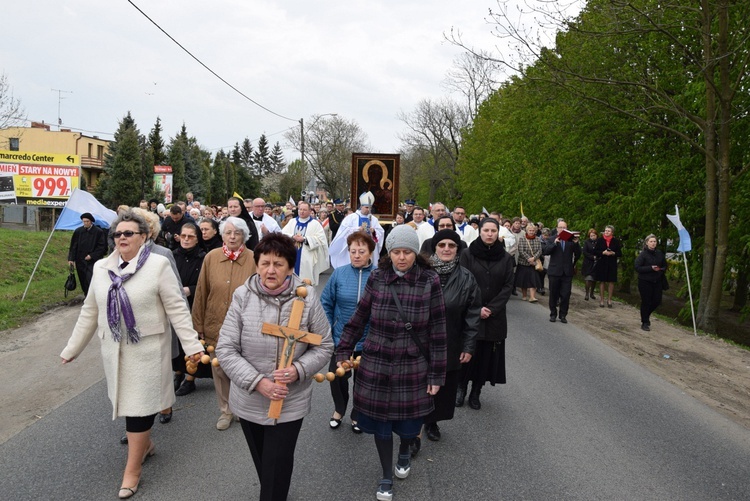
[{"x": 274, "y": 339}]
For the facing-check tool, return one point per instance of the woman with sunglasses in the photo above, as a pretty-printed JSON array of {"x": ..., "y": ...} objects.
[
  {"x": 462, "y": 308},
  {"x": 133, "y": 299}
]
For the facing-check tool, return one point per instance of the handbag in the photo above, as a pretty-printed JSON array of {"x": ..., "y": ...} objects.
[
  {"x": 70, "y": 283},
  {"x": 538, "y": 266},
  {"x": 664, "y": 282},
  {"x": 408, "y": 326}
]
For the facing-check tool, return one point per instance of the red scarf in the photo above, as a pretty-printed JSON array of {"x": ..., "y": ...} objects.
[
  {"x": 608, "y": 240},
  {"x": 232, "y": 255}
]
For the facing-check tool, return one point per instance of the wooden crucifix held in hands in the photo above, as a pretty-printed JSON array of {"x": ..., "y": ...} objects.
[{"x": 292, "y": 335}]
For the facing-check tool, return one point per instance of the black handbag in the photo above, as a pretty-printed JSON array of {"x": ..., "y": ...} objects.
[
  {"x": 70, "y": 283},
  {"x": 664, "y": 282},
  {"x": 408, "y": 326}
]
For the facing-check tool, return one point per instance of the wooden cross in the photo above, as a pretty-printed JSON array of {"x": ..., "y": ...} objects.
[{"x": 292, "y": 335}]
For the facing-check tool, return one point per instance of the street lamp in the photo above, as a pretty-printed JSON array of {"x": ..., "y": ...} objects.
[{"x": 302, "y": 141}]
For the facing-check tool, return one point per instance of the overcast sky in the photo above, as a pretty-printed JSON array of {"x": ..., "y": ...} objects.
[{"x": 365, "y": 61}]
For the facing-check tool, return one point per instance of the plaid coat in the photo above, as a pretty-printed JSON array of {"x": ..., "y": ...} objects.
[{"x": 393, "y": 375}]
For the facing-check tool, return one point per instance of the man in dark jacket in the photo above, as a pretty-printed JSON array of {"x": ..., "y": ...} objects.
[
  {"x": 563, "y": 256},
  {"x": 87, "y": 246},
  {"x": 172, "y": 226},
  {"x": 336, "y": 216}
]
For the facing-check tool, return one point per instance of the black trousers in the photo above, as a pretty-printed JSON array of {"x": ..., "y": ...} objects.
[
  {"x": 559, "y": 288},
  {"x": 340, "y": 389},
  {"x": 84, "y": 270},
  {"x": 139, "y": 424},
  {"x": 272, "y": 449},
  {"x": 650, "y": 298}
]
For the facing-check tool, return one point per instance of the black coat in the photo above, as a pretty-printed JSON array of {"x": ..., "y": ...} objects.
[
  {"x": 87, "y": 242},
  {"x": 495, "y": 281},
  {"x": 589, "y": 258},
  {"x": 606, "y": 266},
  {"x": 644, "y": 262},
  {"x": 189, "y": 265},
  {"x": 463, "y": 303},
  {"x": 561, "y": 262}
]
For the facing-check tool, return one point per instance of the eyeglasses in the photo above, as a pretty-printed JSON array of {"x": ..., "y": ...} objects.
[
  {"x": 459, "y": 213},
  {"x": 188, "y": 237},
  {"x": 450, "y": 245},
  {"x": 126, "y": 234},
  {"x": 445, "y": 226},
  {"x": 235, "y": 233}
]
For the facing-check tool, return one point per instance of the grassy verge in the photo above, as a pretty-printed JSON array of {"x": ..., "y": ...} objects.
[{"x": 22, "y": 249}]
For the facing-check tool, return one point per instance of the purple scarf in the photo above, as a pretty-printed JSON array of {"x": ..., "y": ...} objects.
[{"x": 117, "y": 302}]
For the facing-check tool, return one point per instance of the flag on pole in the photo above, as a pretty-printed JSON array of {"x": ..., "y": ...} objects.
[
  {"x": 80, "y": 202},
  {"x": 291, "y": 200},
  {"x": 522, "y": 214},
  {"x": 237, "y": 195},
  {"x": 685, "y": 243},
  {"x": 485, "y": 211}
]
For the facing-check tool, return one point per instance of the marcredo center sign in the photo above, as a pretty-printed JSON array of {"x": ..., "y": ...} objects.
[{"x": 40, "y": 179}]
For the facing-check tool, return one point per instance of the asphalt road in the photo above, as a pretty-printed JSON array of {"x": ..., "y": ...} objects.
[{"x": 576, "y": 421}]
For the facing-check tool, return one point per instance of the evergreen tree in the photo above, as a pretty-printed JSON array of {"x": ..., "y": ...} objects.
[
  {"x": 177, "y": 155},
  {"x": 277, "y": 159},
  {"x": 121, "y": 182},
  {"x": 219, "y": 179},
  {"x": 197, "y": 162},
  {"x": 156, "y": 144},
  {"x": 262, "y": 156},
  {"x": 248, "y": 185}
]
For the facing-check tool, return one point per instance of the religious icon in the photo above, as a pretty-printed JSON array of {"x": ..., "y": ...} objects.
[{"x": 377, "y": 175}]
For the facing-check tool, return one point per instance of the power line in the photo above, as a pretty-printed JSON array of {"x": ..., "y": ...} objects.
[{"x": 209, "y": 69}]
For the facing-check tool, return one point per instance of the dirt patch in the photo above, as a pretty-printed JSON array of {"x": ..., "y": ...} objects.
[{"x": 709, "y": 369}]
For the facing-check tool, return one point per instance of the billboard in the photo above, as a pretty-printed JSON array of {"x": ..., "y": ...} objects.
[
  {"x": 163, "y": 181},
  {"x": 39, "y": 179}
]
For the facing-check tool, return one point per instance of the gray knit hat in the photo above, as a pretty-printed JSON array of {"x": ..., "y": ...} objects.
[{"x": 402, "y": 236}]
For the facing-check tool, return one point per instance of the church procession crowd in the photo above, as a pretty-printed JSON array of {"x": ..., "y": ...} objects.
[{"x": 410, "y": 325}]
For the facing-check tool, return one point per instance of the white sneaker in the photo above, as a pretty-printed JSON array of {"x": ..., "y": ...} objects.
[
  {"x": 224, "y": 422},
  {"x": 403, "y": 471},
  {"x": 385, "y": 491}
]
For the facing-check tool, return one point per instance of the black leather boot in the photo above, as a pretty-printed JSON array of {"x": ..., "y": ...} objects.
[
  {"x": 474, "y": 402},
  {"x": 460, "y": 395}
]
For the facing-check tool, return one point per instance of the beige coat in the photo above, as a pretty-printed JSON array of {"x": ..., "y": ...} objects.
[
  {"x": 217, "y": 282},
  {"x": 139, "y": 375},
  {"x": 247, "y": 356}
]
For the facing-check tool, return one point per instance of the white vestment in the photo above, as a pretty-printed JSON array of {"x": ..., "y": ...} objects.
[
  {"x": 509, "y": 238},
  {"x": 424, "y": 231},
  {"x": 351, "y": 223},
  {"x": 468, "y": 232},
  {"x": 314, "y": 259},
  {"x": 270, "y": 223}
]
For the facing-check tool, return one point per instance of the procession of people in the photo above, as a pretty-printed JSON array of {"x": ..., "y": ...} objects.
[{"x": 412, "y": 321}]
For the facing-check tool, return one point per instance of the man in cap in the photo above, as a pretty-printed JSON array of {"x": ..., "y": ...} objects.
[
  {"x": 409, "y": 213},
  {"x": 361, "y": 220},
  {"x": 336, "y": 217},
  {"x": 87, "y": 245}
]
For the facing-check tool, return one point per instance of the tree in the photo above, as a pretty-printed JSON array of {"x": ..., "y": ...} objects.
[
  {"x": 178, "y": 159},
  {"x": 293, "y": 181},
  {"x": 12, "y": 113},
  {"x": 248, "y": 185},
  {"x": 329, "y": 144},
  {"x": 261, "y": 157},
  {"x": 121, "y": 181},
  {"x": 156, "y": 143},
  {"x": 277, "y": 159},
  {"x": 679, "y": 67},
  {"x": 219, "y": 179},
  {"x": 434, "y": 137},
  {"x": 472, "y": 76}
]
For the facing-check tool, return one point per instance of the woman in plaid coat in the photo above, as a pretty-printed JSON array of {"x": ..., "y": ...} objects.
[{"x": 397, "y": 376}]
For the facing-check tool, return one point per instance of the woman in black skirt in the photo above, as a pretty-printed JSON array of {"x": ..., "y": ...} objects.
[
  {"x": 529, "y": 250},
  {"x": 492, "y": 268},
  {"x": 462, "y": 306},
  {"x": 589, "y": 263},
  {"x": 650, "y": 266}
]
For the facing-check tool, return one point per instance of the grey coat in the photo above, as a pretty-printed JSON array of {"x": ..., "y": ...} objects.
[{"x": 246, "y": 355}]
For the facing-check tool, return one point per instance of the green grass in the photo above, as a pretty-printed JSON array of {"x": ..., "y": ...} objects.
[{"x": 21, "y": 251}]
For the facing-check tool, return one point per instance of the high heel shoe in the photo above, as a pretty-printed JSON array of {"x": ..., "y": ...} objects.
[
  {"x": 601, "y": 304},
  {"x": 126, "y": 492},
  {"x": 609, "y": 304}
]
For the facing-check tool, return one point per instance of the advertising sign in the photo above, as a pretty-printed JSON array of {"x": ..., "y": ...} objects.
[
  {"x": 163, "y": 181},
  {"x": 40, "y": 179}
]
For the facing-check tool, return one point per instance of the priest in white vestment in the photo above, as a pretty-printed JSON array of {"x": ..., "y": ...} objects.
[
  {"x": 361, "y": 220},
  {"x": 311, "y": 242}
]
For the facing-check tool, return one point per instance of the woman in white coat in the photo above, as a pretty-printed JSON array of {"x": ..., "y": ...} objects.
[{"x": 134, "y": 296}]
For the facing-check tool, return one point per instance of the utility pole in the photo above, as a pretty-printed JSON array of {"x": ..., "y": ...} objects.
[{"x": 59, "y": 99}]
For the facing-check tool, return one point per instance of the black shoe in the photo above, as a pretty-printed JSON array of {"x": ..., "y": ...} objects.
[
  {"x": 563, "y": 320},
  {"x": 586, "y": 297},
  {"x": 592, "y": 296},
  {"x": 542, "y": 291},
  {"x": 433, "y": 431},
  {"x": 186, "y": 388},
  {"x": 334, "y": 423},
  {"x": 553, "y": 318},
  {"x": 124, "y": 440},
  {"x": 645, "y": 327},
  {"x": 356, "y": 429},
  {"x": 474, "y": 402},
  {"x": 514, "y": 292},
  {"x": 414, "y": 449},
  {"x": 460, "y": 396},
  {"x": 165, "y": 418},
  {"x": 178, "y": 378}
]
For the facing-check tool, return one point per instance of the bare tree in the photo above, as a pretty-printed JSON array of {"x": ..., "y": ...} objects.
[
  {"x": 432, "y": 142},
  {"x": 700, "y": 44},
  {"x": 329, "y": 142},
  {"x": 12, "y": 113},
  {"x": 473, "y": 76}
]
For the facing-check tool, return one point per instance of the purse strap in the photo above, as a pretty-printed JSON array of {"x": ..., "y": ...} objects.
[{"x": 407, "y": 325}]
